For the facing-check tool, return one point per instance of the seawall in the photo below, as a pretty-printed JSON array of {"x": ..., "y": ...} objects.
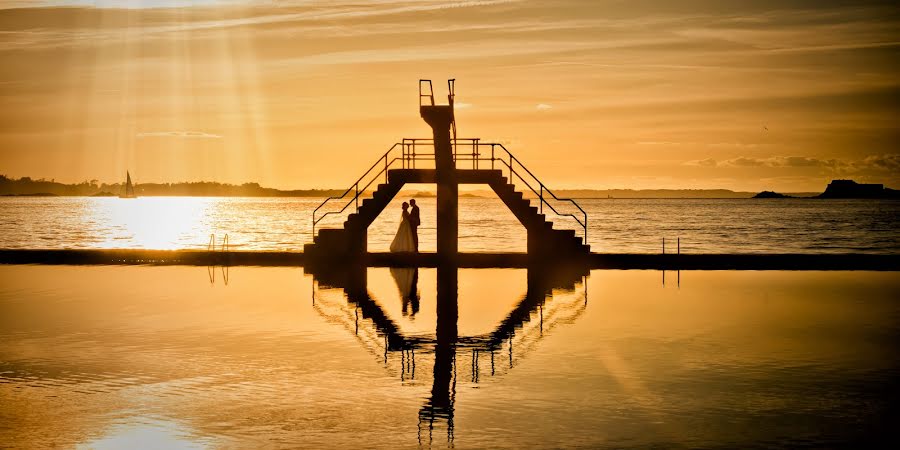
[{"x": 852, "y": 261}]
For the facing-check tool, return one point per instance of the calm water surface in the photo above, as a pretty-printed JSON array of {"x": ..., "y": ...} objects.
[
  {"x": 194, "y": 357},
  {"x": 615, "y": 225}
]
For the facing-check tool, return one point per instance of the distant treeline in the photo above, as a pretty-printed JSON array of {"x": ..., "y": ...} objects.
[{"x": 28, "y": 186}]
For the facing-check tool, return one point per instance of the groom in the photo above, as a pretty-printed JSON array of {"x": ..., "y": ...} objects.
[{"x": 414, "y": 223}]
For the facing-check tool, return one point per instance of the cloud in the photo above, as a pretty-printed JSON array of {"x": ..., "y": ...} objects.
[
  {"x": 873, "y": 164},
  {"x": 702, "y": 144},
  {"x": 709, "y": 162},
  {"x": 180, "y": 134},
  {"x": 742, "y": 161},
  {"x": 775, "y": 161},
  {"x": 658, "y": 143},
  {"x": 887, "y": 163},
  {"x": 543, "y": 107}
]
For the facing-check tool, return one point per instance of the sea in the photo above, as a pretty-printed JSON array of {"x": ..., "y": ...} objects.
[
  {"x": 169, "y": 357},
  {"x": 485, "y": 224},
  {"x": 194, "y": 357}
]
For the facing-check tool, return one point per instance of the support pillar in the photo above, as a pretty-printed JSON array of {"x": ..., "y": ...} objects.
[{"x": 440, "y": 118}]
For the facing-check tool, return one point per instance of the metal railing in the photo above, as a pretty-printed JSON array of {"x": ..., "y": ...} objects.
[
  {"x": 384, "y": 163},
  {"x": 466, "y": 150}
]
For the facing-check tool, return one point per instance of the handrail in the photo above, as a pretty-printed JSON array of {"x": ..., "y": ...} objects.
[
  {"x": 475, "y": 156},
  {"x": 409, "y": 156},
  {"x": 355, "y": 185}
]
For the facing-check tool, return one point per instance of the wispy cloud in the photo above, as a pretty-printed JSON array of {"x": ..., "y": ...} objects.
[
  {"x": 709, "y": 162},
  {"x": 783, "y": 161},
  {"x": 179, "y": 134},
  {"x": 543, "y": 107},
  {"x": 873, "y": 164}
]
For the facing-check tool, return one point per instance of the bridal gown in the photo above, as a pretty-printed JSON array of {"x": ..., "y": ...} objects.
[{"x": 403, "y": 241}]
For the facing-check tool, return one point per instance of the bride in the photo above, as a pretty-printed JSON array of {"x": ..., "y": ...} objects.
[{"x": 403, "y": 241}]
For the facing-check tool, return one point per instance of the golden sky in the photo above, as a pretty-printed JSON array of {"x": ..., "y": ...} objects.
[{"x": 782, "y": 95}]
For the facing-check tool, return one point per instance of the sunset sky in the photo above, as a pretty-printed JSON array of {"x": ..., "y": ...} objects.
[{"x": 781, "y": 95}]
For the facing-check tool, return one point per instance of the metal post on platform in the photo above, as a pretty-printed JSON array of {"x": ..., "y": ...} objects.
[
  {"x": 664, "y": 246},
  {"x": 679, "y": 245},
  {"x": 356, "y": 198},
  {"x": 492, "y": 156}
]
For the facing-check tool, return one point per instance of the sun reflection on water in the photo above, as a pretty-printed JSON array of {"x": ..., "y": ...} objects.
[
  {"x": 165, "y": 223},
  {"x": 147, "y": 433}
]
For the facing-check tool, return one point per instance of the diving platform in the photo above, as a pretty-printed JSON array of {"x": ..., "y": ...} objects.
[{"x": 556, "y": 227}]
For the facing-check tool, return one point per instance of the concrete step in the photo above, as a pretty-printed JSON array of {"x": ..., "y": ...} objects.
[{"x": 330, "y": 235}]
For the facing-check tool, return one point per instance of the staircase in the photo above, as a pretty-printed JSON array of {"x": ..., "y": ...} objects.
[{"x": 544, "y": 241}]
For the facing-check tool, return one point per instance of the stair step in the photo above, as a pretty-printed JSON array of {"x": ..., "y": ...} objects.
[{"x": 329, "y": 234}]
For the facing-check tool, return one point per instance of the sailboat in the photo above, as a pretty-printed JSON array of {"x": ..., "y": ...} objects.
[{"x": 129, "y": 188}]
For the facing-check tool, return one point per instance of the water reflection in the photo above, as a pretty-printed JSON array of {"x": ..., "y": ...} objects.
[
  {"x": 736, "y": 359},
  {"x": 211, "y": 274},
  {"x": 407, "y": 279},
  {"x": 552, "y": 296},
  {"x": 148, "y": 432}
]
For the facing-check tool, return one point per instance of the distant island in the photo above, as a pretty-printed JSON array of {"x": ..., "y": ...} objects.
[
  {"x": 770, "y": 194},
  {"x": 852, "y": 189},
  {"x": 848, "y": 189}
]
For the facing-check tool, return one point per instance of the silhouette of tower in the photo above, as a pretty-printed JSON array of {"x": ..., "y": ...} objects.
[
  {"x": 441, "y": 120},
  {"x": 491, "y": 164}
]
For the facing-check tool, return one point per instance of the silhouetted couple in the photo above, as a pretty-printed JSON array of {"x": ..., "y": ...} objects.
[{"x": 407, "y": 238}]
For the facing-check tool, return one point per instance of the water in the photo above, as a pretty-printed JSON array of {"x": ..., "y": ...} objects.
[
  {"x": 615, "y": 225},
  {"x": 195, "y": 357}
]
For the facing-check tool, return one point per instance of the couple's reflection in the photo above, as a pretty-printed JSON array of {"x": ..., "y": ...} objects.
[{"x": 407, "y": 279}]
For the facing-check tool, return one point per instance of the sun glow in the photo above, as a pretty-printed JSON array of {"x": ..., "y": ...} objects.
[
  {"x": 147, "y": 433},
  {"x": 164, "y": 223},
  {"x": 601, "y": 95},
  {"x": 135, "y": 4}
]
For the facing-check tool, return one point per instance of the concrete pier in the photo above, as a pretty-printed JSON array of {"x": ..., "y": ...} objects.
[{"x": 846, "y": 261}]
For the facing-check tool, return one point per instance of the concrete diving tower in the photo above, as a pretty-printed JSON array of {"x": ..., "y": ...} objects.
[{"x": 502, "y": 172}]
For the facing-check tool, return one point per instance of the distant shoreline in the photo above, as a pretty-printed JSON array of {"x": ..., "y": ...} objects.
[
  {"x": 27, "y": 187},
  {"x": 400, "y": 195}
]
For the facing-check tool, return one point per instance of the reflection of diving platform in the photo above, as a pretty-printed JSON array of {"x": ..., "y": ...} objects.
[
  {"x": 455, "y": 161},
  {"x": 552, "y": 297},
  {"x": 543, "y": 284}
]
